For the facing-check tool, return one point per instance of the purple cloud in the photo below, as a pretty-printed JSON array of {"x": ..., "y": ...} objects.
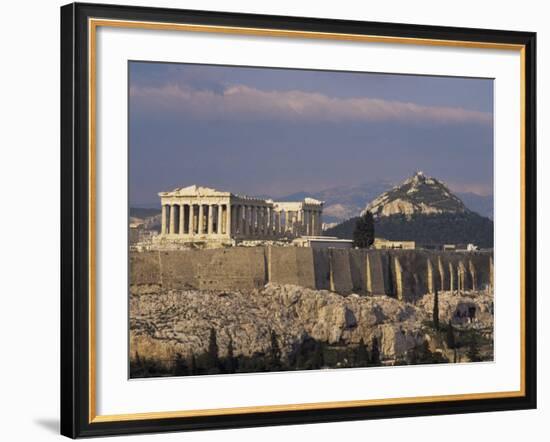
[{"x": 240, "y": 102}]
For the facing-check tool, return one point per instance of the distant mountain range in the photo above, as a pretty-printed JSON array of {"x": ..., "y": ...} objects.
[
  {"x": 345, "y": 202},
  {"x": 478, "y": 203},
  {"x": 423, "y": 209}
]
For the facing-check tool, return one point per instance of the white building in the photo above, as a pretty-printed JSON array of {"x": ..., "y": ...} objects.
[
  {"x": 323, "y": 242},
  {"x": 201, "y": 214}
]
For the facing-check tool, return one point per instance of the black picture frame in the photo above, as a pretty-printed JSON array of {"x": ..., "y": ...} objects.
[{"x": 75, "y": 220}]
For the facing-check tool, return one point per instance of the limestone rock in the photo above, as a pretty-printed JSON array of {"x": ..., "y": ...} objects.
[
  {"x": 417, "y": 194},
  {"x": 179, "y": 321}
]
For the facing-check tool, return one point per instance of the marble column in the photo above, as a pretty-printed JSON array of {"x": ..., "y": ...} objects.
[
  {"x": 252, "y": 221},
  {"x": 248, "y": 220},
  {"x": 172, "y": 218},
  {"x": 277, "y": 219},
  {"x": 258, "y": 221},
  {"x": 210, "y": 218},
  {"x": 200, "y": 223},
  {"x": 236, "y": 225},
  {"x": 163, "y": 220},
  {"x": 313, "y": 222},
  {"x": 182, "y": 223},
  {"x": 261, "y": 218},
  {"x": 233, "y": 220},
  {"x": 288, "y": 222},
  {"x": 241, "y": 220},
  {"x": 228, "y": 219},
  {"x": 191, "y": 220},
  {"x": 244, "y": 220},
  {"x": 220, "y": 220}
]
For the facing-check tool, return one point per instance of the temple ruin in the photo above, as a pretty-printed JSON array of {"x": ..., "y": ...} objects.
[{"x": 203, "y": 214}]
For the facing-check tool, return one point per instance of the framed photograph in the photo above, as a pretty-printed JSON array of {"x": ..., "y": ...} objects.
[{"x": 274, "y": 220}]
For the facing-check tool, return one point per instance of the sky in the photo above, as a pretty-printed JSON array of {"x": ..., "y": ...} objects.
[{"x": 274, "y": 132}]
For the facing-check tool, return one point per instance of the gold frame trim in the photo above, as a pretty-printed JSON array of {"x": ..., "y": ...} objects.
[{"x": 93, "y": 24}]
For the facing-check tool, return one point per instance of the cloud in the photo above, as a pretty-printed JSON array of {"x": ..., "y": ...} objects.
[{"x": 239, "y": 102}]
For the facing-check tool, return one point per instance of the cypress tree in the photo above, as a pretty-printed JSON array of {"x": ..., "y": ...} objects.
[
  {"x": 136, "y": 368},
  {"x": 231, "y": 362},
  {"x": 317, "y": 360},
  {"x": 473, "y": 351},
  {"x": 375, "y": 352},
  {"x": 213, "y": 361},
  {"x": 362, "y": 357},
  {"x": 275, "y": 353},
  {"x": 451, "y": 341},
  {"x": 363, "y": 235},
  {"x": 413, "y": 356},
  {"x": 300, "y": 358},
  {"x": 180, "y": 366}
]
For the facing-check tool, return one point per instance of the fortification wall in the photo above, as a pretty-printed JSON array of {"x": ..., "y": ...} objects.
[
  {"x": 290, "y": 265},
  {"x": 340, "y": 271},
  {"x": 404, "y": 274},
  {"x": 321, "y": 264}
]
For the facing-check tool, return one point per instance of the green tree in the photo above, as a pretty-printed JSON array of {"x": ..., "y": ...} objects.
[
  {"x": 143, "y": 367},
  {"x": 300, "y": 363},
  {"x": 375, "y": 352},
  {"x": 451, "y": 340},
  {"x": 412, "y": 356},
  {"x": 361, "y": 356},
  {"x": 317, "y": 361},
  {"x": 230, "y": 360},
  {"x": 473, "y": 350},
  {"x": 193, "y": 365},
  {"x": 274, "y": 353},
  {"x": 435, "y": 312},
  {"x": 363, "y": 235},
  {"x": 422, "y": 354},
  {"x": 180, "y": 366},
  {"x": 212, "y": 356}
]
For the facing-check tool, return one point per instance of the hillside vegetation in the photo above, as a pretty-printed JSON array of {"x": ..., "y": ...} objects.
[{"x": 442, "y": 228}]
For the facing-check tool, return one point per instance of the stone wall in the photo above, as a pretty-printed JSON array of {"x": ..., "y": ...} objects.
[
  {"x": 290, "y": 265},
  {"x": 404, "y": 274}
]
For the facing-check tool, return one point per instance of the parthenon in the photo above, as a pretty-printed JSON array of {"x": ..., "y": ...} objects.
[{"x": 196, "y": 213}]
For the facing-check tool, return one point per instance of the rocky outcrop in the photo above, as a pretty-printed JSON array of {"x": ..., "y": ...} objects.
[
  {"x": 166, "y": 323},
  {"x": 418, "y": 194}
]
